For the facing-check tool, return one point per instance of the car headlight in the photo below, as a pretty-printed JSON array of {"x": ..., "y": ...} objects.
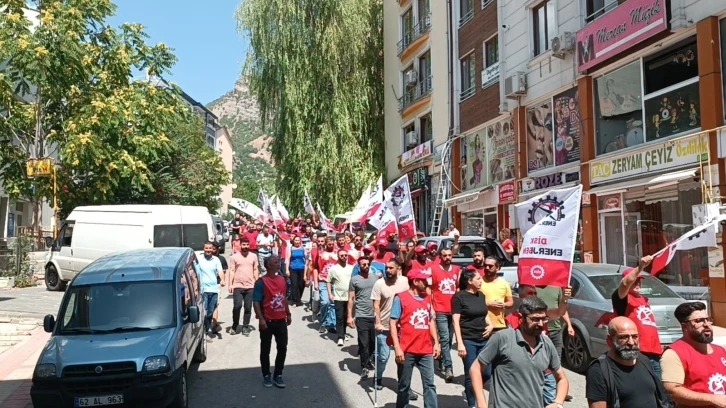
[
  {"x": 156, "y": 364},
  {"x": 45, "y": 371}
]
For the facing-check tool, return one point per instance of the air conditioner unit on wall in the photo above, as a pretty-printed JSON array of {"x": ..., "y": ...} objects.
[
  {"x": 411, "y": 138},
  {"x": 515, "y": 85},
  {"x": 411, "y": 77},
  {"x": 562, "y": 45}
]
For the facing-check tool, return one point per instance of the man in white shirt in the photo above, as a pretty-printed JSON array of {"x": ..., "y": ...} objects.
[
  {"x": 339, "y": 278},
  {"x": 452, "y": 231},
  {"x": 265, "y": 241}
]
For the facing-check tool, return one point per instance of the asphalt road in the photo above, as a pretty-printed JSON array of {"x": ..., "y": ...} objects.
[{"x": 317, "y": 373}]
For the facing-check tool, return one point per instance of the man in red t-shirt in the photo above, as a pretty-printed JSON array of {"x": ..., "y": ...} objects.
[
  {"x": 444, "y": 278},
  {"x": 420, "y": 261},
  {"x": 251, "y": 234},
  {"x": 433, "y": 252},
  {"x": 383, "y": 255},
  {"x": 415, "y": 341},
  {"x": 627, "y": 301},
  {"x": 327, "y": 258}
]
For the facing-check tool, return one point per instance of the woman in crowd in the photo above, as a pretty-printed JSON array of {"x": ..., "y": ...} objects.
[
  {"x": 471, "y": 325},
  {"x": 505, "y": 237},
  {"x": 295, "y": 260}
]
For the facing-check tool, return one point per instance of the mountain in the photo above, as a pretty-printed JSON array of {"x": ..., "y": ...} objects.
[{"x": 238, "y": 110}]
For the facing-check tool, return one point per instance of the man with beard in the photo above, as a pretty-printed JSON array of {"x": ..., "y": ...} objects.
[
  {"x": 244, "y": 272},
  {"x": 628, "y": 301},
  {"x": 444, "y": 278},
  {"x": 356, "y": 250},
  {"x": 420, "y": 261},
  {"x": 236, "y": 226},
  {"x": 383, "y": 255},
  {"x": 339, "y": 284},
  {"x": 521, "y": 355},
  {"x": 327, "y": 258},
  {"x": 693, "y": 368},
  {"x": 496, "y": 290},
  {"x": 622, "y": 376},
  {"x": 361, "y": 315}
]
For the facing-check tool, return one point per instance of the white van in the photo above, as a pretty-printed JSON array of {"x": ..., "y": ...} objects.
[{"x": 94, "y": 231}]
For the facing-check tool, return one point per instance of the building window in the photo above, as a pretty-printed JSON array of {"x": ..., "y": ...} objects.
[
  {"x": 468, "y": 76},
  {"x": 596, "y": 8},
  {"x": 619, "y": 109},
  {"x": 424, "y": 73},
  {"x": 544, "y": 26},
  {"x": 426, "y": 128},
  {"x": 410, "y": 138},
  {"x": 466, "y": 10},
  {"x": 423, "y": 8},
  {"x": 491, "y": 52},
  {"x": 406, "y": 30}
]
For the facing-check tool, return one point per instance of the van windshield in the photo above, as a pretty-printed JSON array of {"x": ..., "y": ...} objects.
[{"x": 118, "y": 307}]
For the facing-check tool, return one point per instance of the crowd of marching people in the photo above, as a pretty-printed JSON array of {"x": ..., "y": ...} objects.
[{"x": 410, "y": 302}]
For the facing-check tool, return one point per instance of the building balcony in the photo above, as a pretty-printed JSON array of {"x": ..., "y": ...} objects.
[
  {"x": 421, "y": 28},
  {"x": 414, "y": 93}
]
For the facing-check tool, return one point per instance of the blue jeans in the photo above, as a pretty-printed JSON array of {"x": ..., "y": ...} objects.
[
  {"x": 444, "y": 325},
  {"x": 655, "y": 362},
  {"x": 327, "y": 311},
  {"x": 425, "y": 366},
  {"x": 549, "y": 392},
  {"x": 210, "y": 303},
  {"x": 384, "y": 352},
  {"x": 473, "y": 349}
]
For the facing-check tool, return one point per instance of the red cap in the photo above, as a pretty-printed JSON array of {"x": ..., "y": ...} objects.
[
  {"x": 628, "y": 270},
  {"x": 432, "y": 244},
  {"x": 417, "y": 274},
  {"x": 368, "y": 248},
  {"x": 383, "y": 242},
  {"x": 420, "y": 248}
]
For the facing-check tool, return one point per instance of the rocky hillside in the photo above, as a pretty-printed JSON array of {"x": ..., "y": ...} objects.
[{"x": 238, "y": 111}]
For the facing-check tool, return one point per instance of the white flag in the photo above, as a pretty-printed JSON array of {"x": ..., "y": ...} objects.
[
  {"x": 248, "y": 208},
  {"x": 383, "y": 219},
  {"x": 282, "y": 210},
  {"x": 548, "y": 223},
  {"x": 325, "y": 223},
  {"x": 360, "y": 208},
  {"x": 703, "y": 236},
  {"x": 308, "y": 204},
  {"x": 400, "y": 194}
]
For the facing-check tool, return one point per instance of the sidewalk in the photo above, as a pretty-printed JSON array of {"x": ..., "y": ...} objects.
[{"x": 16, "y": 370}]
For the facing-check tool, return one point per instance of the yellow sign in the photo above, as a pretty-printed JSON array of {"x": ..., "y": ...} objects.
[
  {"x": 655, "y": 157},
  {"x": 39, "y": 167}
]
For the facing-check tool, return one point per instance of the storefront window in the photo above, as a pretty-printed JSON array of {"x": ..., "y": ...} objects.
[
  {"x": 654, "y": 218},
  {"x": 672, "y": 104},
  {"x": 619, "y": 109},
  {"x": 481, "y": 224}
]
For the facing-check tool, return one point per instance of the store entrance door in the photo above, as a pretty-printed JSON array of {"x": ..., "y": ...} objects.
[
  {"x": 611, "y": 238},
  {"x": 633, "y": 239}
]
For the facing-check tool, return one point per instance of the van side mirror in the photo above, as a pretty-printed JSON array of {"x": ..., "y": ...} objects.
[
  {"x": 48, "y": 323},
  {"x": 48, "y": 242},
  {"x": 193, "y": 313}
]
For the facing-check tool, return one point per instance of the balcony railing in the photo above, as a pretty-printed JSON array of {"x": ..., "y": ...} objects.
[
  {"x": 466, "y": 18},
  {"x": 467, "y": 93},
  {"x": 414, "y": 93},
  {"x": 409, "y": 36}
]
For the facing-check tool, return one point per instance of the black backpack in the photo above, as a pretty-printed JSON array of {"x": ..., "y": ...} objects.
[{"x": 607, "y": 373}]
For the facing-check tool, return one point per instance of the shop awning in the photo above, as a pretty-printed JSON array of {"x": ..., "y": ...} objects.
[
  {"x": 651, "y": 183},
  {"x": 465, "y": 197},
  {"x": 417, "y": 192}
]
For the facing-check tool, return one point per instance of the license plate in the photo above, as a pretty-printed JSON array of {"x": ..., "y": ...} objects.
[{"x": 99, "y": 401}]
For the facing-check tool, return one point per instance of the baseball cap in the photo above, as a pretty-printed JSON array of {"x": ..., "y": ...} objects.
[
  {"x": 432, "y": 244},
  {"x": 417, "y": 274},
  {"x": 368, "y": 248},
  {"x": 383, "y": 242},
  {"x": 628, "y": 270},
  {"x": 419, "y": 248}
]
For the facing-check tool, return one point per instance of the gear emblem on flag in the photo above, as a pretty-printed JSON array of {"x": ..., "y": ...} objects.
[
  {"x": 546, "y": 207},
  {"x": 537, "y": 272}
]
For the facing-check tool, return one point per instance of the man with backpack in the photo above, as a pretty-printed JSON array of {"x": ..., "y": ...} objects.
[{"x": 623, "y": 377}]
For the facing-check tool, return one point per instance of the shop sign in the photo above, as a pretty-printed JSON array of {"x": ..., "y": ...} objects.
[
  {"x": 611, "y": 203},
  {"x": 39, "y": 167},
  {"x": 549, "y": 181},
  {"x": 417, "y": 178},
  {"x": 502, "y": 151},
  {"x": 539, "y": 136},
  {"x": 619, "y": 29},
  {"x": 657, "y": 157},
  {"x": 419, "y": 152},
  {"x": 567, "y": 127},
  {"x": 489, "y": 75},
  {"x": 506, "y": 192}
]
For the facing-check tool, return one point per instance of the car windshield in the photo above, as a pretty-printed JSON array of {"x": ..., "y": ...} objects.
[
  {"x": 650, "y": 286},
  {"x": 118, "y": 307}
]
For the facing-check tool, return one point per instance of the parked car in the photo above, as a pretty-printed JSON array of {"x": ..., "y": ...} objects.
[
  {"x": 94, "y": 231},
  {"x": 222, "y": 235},
  {"x": 127, "y": 331},
  {"x": 591, "y": 310},
  {"x": 467, "y": 245}
]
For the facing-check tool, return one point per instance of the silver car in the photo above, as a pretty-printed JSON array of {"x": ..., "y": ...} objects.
[{"x": 591, "y": 309}]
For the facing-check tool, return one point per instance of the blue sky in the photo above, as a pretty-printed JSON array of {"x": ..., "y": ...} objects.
[{"x": 204, "y": 38}]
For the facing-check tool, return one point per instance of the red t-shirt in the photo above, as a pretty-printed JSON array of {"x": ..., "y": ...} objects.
[
  {"x": 252, "y": 237},
  {"x": 387, "y": 256},
  {"x": 443, "y": 287},
  {"x": 424, "y": 267},
  {"x": 415, "y": 337},
  {"x": 326, "y": 260}
]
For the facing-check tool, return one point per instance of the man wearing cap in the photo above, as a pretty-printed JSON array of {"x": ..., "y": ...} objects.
[
  {"x": 415, "y": 340},
  {"x": 628, "y": 302},
  {"x": 444, "y": 284},
  {"x": 420, "y": 261},
  {"x": 383, "y": 255},
  {"x": 433, "y": 252}
]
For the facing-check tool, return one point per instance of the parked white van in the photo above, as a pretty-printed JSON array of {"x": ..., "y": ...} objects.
[{"x": 94, "y": 231}]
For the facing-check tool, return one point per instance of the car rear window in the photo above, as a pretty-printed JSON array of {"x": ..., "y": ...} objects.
[
  {"x": 650, "y": 286},
  {"x": 187, "y": 235}
]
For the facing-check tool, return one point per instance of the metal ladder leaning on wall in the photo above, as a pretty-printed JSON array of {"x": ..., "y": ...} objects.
[{"x": 439, "y": 206}]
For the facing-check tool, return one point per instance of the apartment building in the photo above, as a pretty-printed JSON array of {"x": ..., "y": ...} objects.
[
  {"x": 416, "y": 76},
  {"x": 225, "y": 149}
]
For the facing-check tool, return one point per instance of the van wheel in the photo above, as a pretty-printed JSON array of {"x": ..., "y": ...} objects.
[
  {"x": 200, "y": 355},
  {"x": 181, "y": 399},
  {"x": 53, "y": 280}
]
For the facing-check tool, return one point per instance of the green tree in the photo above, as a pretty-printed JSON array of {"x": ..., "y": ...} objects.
[
  {"x": 316, "y": 69},
  {"x": 67, "y": 90}
]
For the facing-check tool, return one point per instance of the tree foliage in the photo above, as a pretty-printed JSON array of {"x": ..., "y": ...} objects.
[
  {"x": 316, "y": 69},
  {"x": 68, "y": 81}
]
